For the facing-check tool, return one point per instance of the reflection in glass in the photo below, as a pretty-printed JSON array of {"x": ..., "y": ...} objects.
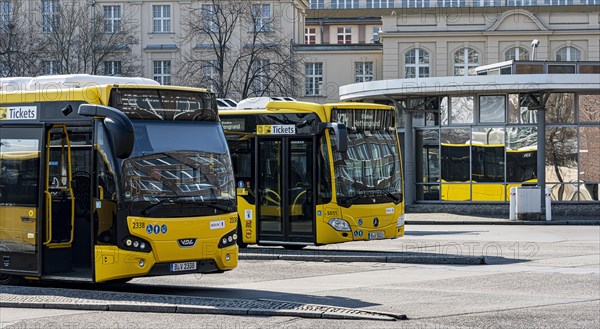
[
  {"x": 491, "y": 108},
  {"x": 588, "y": 108},
  {"x": 589, "y": 192},
  {"x": 455, "y": 164},
  {"x": 561, "y": 154},
  {"x": 560, "y": 108},
  {"x": 563, "y": 192},
  {"x": 428, "y": 192},
  {"x": 444, "y": 111},
  {"x": 518, "y": 109},
  {"x": 589, "y": 154},
  {"x": 487, "y": 155},
  {"x": 428, "y": 158},
  {"x": 462, "y": 109},
  {"x": 521, "y": 154}
]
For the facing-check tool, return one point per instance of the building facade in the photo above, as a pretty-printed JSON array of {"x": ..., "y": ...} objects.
[{"x": 436, "y": 38}]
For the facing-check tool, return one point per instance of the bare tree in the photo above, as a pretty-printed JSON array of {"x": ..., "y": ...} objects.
[
  {"x": 80, "y": 39},
  {"x": 239, "y": 50},
  {"x": 19, "y": 41}
]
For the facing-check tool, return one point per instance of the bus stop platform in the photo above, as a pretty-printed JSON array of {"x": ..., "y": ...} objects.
[{"x": 456, "y": 219}]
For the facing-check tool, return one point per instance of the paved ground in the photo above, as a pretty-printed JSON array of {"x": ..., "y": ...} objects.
[{"x": 537, "y": 276}]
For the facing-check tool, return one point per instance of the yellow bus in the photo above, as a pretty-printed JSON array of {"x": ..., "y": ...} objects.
[
  {"x": 487, "y": 182},
  {"x": 101, "y": 179},
  {"x": 312, "y": 174}
]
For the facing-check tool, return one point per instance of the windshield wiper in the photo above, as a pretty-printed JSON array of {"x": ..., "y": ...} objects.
[
  {"x": 159, "y": 204},
  {"x": 216, "y": 206},
  {"x": 347, "y": 202},
  {"x": 174, "y": 200},
  {"x": 397, "y": 199}
]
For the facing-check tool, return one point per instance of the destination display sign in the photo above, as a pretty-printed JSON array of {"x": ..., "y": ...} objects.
[
  {"x": 276, "y": 129},
  {"x": 364, "y": 119},
  {"x": 234, "y": 124}
]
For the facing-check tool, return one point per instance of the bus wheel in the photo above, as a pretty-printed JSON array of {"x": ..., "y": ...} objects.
[
  {"x": 240, "y": 239},
  {"x": 294, "y": 246},
  {"x": 8, "y": 279}
]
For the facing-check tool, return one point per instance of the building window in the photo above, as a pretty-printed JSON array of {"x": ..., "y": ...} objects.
[
  {"x": 380, "y": 3},
  {"x": 465, "y": 61},
  {"x": 209, "y": 16},
  {"x": 451, "y": 3},
  {"x": 516, "y": 53},
  {"x": 415, "y": 4},
  {"x": 310, "y": 35},
  {"x": 5, "y": 15},
  {"x": 260, "y": 81},
  {"x": 112, "y": 68},
  {"x": 590, "y": 2},
  {"x": 112, "y": 19},
  {"x": 317, "y": 4},
  {"x": 558, "y": 2},
  {"x": 568, "y": 54},
  {"x": 344, "y": 4},
  {"x": 516, "y": 3},
  {"x": 363, "y": 71},
  {"x": 210, "y": 70},
  {"x": 162, "y": 72},
  {"x": 50, "y": 15},
  {"x": 262, "y": 17},
  {"x": 161, "y": 18},
  {"x": 416, "y": 64},
  {"x": 313, "y": 81},
  {"x": 51, "y": 67},
  {"x": 344, "y": 35},
  {"x": 487, "y": 3}
]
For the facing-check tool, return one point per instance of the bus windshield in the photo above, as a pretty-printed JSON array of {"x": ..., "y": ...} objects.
[
  {"x": 179, "y": 170},
  {"x": 370, "y": 169}
]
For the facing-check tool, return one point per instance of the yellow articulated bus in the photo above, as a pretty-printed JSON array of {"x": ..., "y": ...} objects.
[
  {"x": 312, "y": 174},
  {"x": 488, "y": 181},
  {"x": 105, "y": 178}
]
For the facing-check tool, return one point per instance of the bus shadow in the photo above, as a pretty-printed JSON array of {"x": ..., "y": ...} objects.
[
  {"x": 174, "y": 295},
  {"x": 425, "y": 233}
]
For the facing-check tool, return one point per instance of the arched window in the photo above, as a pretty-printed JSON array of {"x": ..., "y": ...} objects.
[
  {"x": 568, "y": 54},
  {"x": 516, "y": 53},
  {"x": 465, "y": 61},
  {"x": 416, "y": 63}
]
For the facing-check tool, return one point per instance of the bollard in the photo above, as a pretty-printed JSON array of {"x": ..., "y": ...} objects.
[
  {"x": 548, "y": 204},
  {"x": 513, "y": 200}
]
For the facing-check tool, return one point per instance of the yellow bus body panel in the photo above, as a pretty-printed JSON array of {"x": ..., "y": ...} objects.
[
  {"x": 481, "y": 192},
  {"x": 18, "y": 227},
  {"x": 113, "y": 263},
  {"x": 387, "y": 215}
]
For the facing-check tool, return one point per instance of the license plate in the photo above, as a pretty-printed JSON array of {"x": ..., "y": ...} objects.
[
  {"x": 187, "y": 266},
  {"x": 376, "y": 235}
]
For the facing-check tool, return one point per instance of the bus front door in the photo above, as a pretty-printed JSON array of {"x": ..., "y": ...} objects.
[
  {"x": 20, "y": 150},
  {"x": 285, "y": 191}
]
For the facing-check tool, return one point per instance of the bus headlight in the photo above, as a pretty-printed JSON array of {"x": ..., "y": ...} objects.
[
  {"x": 400, "y": 221},
  {"x": 228, "y": 239},
  {"x": 134, "y": 243},
  {"x": 339, "y": 224}
]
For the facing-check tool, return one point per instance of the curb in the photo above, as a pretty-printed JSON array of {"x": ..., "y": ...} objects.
[
  {"x": 583, "y": 222},
  {"x": 368, "y": 257},
  {"x": 94, "y": 300}
]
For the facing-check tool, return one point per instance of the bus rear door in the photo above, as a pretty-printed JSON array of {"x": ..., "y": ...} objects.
[
  {"x": 285, "y": 190},
  {"x": 20, "y": 215}
]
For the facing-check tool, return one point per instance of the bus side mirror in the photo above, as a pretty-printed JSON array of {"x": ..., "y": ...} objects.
[
  {"x": 118, "y": 124},
  {"x": 341, "y": 134}
]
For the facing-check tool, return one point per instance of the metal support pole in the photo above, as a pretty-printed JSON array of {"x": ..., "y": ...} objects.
[
  {"x": 513, "y": 204},
  {"x": 409, "y": 160},
  {"x": 548, "y": 195},
  {"x": 541, "y": 152}
]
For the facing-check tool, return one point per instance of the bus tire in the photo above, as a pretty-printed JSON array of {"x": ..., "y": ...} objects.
[
  {"x": 6, "y": 279},
  {"x": 240, "y": 239}
]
